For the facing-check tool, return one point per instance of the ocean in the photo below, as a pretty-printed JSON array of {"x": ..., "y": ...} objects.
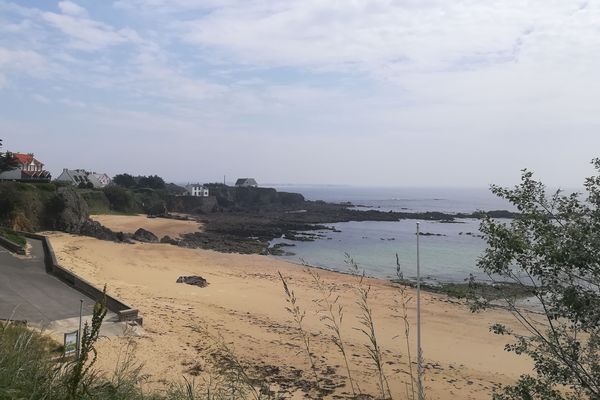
[{"x": 449, "y": 255}]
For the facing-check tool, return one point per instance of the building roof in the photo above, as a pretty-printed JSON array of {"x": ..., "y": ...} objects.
[
  {"x": 78, "y": 176},
  {"x": 23, "y": 158},
  {"x": 246, "y": 181}
]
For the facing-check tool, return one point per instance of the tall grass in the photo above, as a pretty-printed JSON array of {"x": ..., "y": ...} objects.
[{"x": 330, "y": 312}]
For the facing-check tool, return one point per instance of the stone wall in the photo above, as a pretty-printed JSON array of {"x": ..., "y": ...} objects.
[{"x": 123, "y": 311}]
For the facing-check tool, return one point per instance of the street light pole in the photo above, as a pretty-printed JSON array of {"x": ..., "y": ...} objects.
[
  {"x": 79, "y": 331},
  {"x": 419, "y": 351}
]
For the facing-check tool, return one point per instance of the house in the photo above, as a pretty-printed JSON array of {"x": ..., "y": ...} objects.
[
  {"x": 196, "y": 190},
  {"x": 246, "y": 182},
  {"x": 80, "y": 176},
  {"x": 28, "y": 169}
]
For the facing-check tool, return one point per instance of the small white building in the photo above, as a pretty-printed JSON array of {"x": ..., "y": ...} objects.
[
  {"x": 246, "y": 182},
  {"x": 196, "y": 190},
  {"x": 79, "y": 176}
]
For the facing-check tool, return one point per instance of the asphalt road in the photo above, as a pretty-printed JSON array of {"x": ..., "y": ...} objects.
[{"x": 28, "y": 293}]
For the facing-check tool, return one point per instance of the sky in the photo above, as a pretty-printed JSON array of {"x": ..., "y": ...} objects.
[{"x": 361, "y": 92}]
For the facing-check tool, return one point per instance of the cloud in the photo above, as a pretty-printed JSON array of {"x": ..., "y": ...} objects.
[
  {"x": 87, "y": 34},
  {"x": 27, "y": 62},
  {"x": 383, "y": 39},
  {"x": 40, "y": 98},
  {"x": 70, "y": 8}
]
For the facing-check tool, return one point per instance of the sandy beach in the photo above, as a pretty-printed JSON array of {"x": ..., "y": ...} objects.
[
  {"x": 159, "y": 226},
  {"x": 244, "y": 303}
]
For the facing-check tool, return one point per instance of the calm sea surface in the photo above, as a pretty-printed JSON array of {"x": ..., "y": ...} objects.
[{"x": 374, "y": 245}]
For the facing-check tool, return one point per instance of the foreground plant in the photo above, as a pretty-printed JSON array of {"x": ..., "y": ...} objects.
[
  {"x": 298, "y": 315},
  {"x": 401, "y": 307},
  {"x": 331, "y": 313},
  {"x": 554, "y": 248},
  {"x": 367, "y": 322}
]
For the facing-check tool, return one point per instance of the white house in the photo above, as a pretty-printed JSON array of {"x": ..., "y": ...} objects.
[
  {"x": 79, "y": 176},
  {"x": 246, "y": 182},
  {"x": 28, "y": 169},
  {"x": 196, "y": 190}
]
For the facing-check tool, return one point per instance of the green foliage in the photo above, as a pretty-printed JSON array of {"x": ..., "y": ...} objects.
[
  {"x": 124, "y": 180},
  {"x": 7, "y": 160},
  {"x": 97, "y": 201},
  {"x": 128, "y": 181},
  {"x": 13, "y": 237},
  {"x": 85, "y": 185},
  {"x": 151, "y": 181},
  {"x": 121, "y": 199},
  {"x": 552, "y": 248}
]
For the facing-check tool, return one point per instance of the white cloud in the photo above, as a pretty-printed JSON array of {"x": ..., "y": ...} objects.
[
  {"x": 389, "y": 39},
  {"x": 40, "y": 98},
  {"x": 70, "y": 8},
  {"x": 27, "y": 62},
  {"x": 87, "y": 34}
]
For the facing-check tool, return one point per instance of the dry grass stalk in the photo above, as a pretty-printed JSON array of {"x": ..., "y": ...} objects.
[
  {"x": 367, "y": 323},
  {"x": 298, "y": 315},
  {"x": 331, "y": 313}
]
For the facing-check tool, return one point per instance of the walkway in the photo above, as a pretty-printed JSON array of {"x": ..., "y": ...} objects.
[{"x": 28, "y": 293}]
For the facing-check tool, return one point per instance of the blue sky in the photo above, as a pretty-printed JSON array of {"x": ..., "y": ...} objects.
[{"x": 402, "y": 93}]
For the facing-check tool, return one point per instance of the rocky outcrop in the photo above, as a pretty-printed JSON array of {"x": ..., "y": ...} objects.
[
  {"x": 191, "y": 204},
  {"x": 142, "y": 235},
  {"x": 98, "y": 231},
  {"x": 169, "y": 240},
  {"x": 69, "y": 211},
  {"x": 251, "y": 198}
]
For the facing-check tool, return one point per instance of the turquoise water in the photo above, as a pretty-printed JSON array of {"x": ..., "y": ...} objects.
[{"x": 374, "y": 245}]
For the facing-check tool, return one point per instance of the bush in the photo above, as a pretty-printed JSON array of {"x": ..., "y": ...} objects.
[
  {"x": 13, "y": 237},
  {"x": 121, "y": 199}
]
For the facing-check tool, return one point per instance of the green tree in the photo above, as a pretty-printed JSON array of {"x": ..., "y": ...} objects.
[
  {"x": 124, "y": 180},
  {"x": 553, "y": 247},
  {"x": 151, "y": 181},
  {"x": 7, "y": 160}
]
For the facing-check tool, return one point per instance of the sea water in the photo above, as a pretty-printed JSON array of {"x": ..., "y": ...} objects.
[{"x": 449, "y": 254}]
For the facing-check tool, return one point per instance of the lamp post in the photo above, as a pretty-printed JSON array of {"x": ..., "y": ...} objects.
[{"x": 419, "y": 352}]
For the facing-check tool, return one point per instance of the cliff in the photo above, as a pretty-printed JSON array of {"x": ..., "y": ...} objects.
[{"x": 250, "y": 198}]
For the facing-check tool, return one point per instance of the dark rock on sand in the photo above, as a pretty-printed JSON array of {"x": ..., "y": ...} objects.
[
  {"x": 143, "y": 235},
  {"x": 193, "y": 280},
  {"x": 169, "y": 240}
]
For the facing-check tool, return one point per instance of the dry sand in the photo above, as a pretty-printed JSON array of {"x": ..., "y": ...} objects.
[
  {"x": 245, "y": 304},
  {"x": 159, "y": 226}
]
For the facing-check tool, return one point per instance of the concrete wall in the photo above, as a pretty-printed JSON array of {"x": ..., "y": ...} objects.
[
  {"x": 15, "y": 174},
  {"x": 15, "y": 248},
  {"x": 124, "y": 311}
]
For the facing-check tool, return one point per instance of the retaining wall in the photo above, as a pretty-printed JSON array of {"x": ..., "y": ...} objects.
[
  {"x": 123, "y": 311},
  {"x": 11, "y": 246}
]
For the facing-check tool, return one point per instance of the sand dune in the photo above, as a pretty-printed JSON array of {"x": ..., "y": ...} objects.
[
  {"x": 244, "y": 303},
  {"x": 159, "y": 226}
]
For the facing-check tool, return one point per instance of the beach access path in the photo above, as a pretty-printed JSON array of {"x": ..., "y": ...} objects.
[{"x": 28, "y": 293}]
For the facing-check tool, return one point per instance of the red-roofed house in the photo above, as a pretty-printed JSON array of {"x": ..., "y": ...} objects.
[{"x": 29, "y": 169}]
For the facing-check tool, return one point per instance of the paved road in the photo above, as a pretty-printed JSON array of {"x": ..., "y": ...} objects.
[{"x": 28, "y": 293}]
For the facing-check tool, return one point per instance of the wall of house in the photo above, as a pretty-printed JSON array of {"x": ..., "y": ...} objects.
[{"x": 11, "y": 175}]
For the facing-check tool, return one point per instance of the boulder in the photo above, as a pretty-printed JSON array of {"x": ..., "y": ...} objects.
[
  {"x": 168, "y": 239},
  {"x": 142, "y": 235},
  {"x": 98, "y": 231},
  {"x": 193, "y": 280}
]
